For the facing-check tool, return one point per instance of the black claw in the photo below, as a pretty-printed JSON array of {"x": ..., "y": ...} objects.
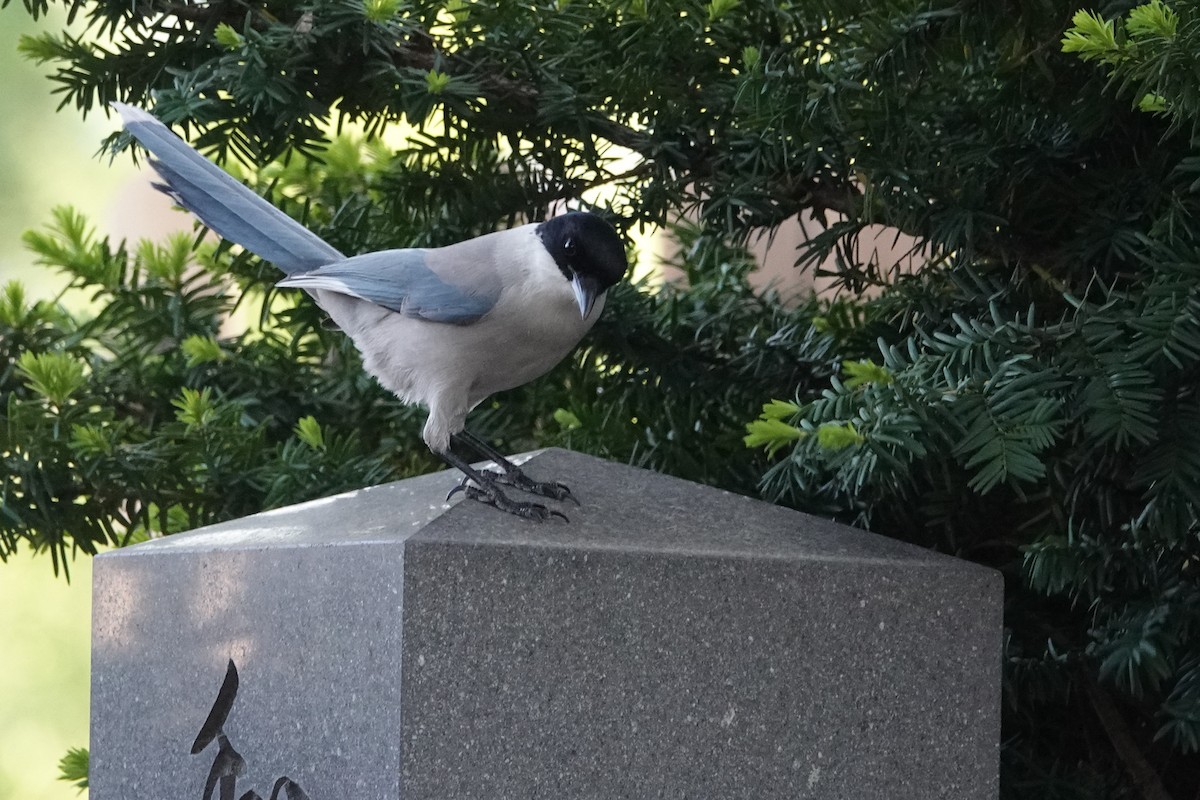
[
  {"x": 519, "y": 480},
  {"x": 565, "y": 494},
  {"x": 506, "y": 472},
  {"x": 460, "y": 487},
  {"x": 555, "y": 491},
  {"x": 484, "y": 485},
  {"x": 497, "y": 499}
]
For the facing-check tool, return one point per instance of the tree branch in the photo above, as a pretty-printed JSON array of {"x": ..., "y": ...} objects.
[
  {"x": 1143, "y": 775},
  {"x": 518, "y": 103}
]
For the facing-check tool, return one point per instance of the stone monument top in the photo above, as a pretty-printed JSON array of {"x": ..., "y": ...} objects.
[
  {"x": 670, "y": 641},
  {"x": 621, "y": 508}
]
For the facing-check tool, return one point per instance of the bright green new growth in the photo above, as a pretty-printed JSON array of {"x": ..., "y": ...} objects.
[
  {"x": 55, "y": 376},
  {"x": 227, "y": 37},
  {"x": 1143, "y": 52},
  {"x": 308, "y": 430},
  {"x": 201, "y": 349},
  {"x": 1092, "y": 37}
]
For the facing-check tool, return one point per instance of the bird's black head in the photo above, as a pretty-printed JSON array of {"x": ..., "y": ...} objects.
[{"x": 589, "y": 252}]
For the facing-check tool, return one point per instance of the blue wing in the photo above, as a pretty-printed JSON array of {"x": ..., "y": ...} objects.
[
  {"x": 224, "y": 205},
  {"x": 403, "y": 281}
]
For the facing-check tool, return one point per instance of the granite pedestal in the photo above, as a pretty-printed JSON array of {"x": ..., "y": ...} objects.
[{"x": 672, "y": 641}]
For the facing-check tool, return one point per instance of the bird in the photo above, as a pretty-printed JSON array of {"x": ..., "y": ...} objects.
[{"x": 443, "y": 327}]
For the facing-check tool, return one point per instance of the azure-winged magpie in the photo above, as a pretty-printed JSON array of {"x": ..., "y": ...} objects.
[{"x": 444, "y": 327}]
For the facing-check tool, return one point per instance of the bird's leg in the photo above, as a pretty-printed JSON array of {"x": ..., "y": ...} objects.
[
  {"x": 509, "y": 473},
  {"x": 486, "y": 491}
]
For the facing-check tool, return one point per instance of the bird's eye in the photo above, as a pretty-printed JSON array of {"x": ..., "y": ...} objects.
[{"x": 569, "y": 247}]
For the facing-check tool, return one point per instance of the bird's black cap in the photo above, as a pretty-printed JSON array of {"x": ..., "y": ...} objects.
[{"x": 586, "y": 247}]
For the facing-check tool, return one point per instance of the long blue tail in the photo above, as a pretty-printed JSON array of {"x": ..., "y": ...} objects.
[{"x": 224, "y": 205}]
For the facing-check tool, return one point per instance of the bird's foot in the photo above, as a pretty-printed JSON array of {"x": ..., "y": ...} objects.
[
  {"x": 489, "y": 495},
  {"x": 519, "y": 480},
  {"x": 506, "y": 472}
]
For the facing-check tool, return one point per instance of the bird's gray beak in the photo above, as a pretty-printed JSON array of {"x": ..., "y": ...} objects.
[{"x": 586, "y": 291}]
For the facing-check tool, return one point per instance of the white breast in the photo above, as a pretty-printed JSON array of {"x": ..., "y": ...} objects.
[{"x": 452, "y": 368}]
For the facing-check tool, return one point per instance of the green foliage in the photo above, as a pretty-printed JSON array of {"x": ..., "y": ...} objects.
[
  {"x": 225, "y": 35},
  {"x": 838, "y": 436},
  {"x": 436, "y": 82},
  {"x": 73, "y": 767},
  {"x": 201, "y": 349},
  {"x": 1024, "y": 396},
  {"x": 148, "y": 417},
  {"x": 380, "y": 11},
  {"x": 860, "y": 373},
  {"x": 1093, "y": 38},
  {"x": 770, "y": 431},
  {"x": 1148, "y": 54},
  {"x": 1152, "y": 19},
  {"x": 308, "y": 430},
  {"x": 55, "y": 376}
]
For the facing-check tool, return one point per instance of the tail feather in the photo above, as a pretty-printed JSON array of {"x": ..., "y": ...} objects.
[{"x": 226, "y": 206}]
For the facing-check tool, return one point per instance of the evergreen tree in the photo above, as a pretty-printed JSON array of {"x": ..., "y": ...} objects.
[{"x": 1025, "y": 397}]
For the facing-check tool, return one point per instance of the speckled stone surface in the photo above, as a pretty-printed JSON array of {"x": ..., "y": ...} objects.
[{"x": 672, "y": 641}]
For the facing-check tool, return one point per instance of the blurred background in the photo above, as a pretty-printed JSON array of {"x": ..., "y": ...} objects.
[{"x": 47, "y": 158}]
